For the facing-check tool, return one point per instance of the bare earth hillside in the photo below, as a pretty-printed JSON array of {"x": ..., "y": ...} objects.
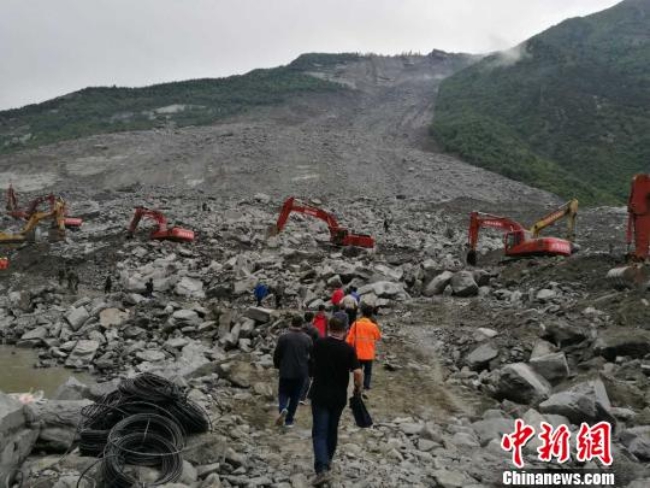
[{"x": 367, "y": 140}]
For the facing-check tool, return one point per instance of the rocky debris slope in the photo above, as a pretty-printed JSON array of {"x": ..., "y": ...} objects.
[{"x": 466, "y": 350}]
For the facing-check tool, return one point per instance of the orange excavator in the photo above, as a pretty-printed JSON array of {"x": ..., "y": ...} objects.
[
  {"x": 522, "y": 242},
  {"x": 161, "y": 232},
  {"x": 637, "y": 236},
  {"x": 14, "y": 210},
  {"x": 339, "y": 236}
]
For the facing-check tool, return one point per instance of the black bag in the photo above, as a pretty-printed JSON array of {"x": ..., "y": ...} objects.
[{"x": 361, "y": 416}]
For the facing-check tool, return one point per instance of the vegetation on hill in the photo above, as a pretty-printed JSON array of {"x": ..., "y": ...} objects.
[
  {"x": 567, "y": 111},
  {"x": 196, "y": 102}
]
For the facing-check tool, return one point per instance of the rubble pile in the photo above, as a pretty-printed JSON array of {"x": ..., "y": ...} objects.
[{"x": 466, "y": 351}]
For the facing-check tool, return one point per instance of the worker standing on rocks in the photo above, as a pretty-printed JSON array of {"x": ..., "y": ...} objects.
[
  {"x": 108, "y": 285},
  {"x": 363, "y": 336},
  {"x": 61, "y": 276},
  {"x": 260, "y": 292},
  {"x": 73, "y": 281},
  {"x": 148, "y": 288},
  {"x": 333, "y": 361},
  {"x": 278, "y": 291},
  {"x": 291, "y": 356}
]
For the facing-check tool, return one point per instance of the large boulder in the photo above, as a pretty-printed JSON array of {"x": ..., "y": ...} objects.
[
  {"x": 463, "y": 284},
  {"x": 58, "y": 421},
  {"x": 113, "y": 317},
  {"x": 76, "y": 317},
  {"x": 617, "y": 342},
  {"x": 637, "y": 441},
  {"x": 385, "y": 289},
  {"x": 562, "y": 333},
  {"x": 82, "y": 354},
  {"x": 190, "y": 287},
  {"x": 480, "y": 357},
  {"x": 494, "y": 428},
  {"x": 553, "y": 367},
  {"x": 438, "y": 284},
  {"x": 519, "y": 383},
  {"x": 16, "y": 439},
  {"x": 259, "y": 314},
  {"x": 584, "y": 402}
]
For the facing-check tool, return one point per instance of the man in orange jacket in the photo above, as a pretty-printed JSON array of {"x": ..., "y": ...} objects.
[{"x": 363, "y": 336}]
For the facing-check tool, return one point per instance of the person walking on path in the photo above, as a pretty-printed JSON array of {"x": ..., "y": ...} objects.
[
  {"x": 291, "y": 356},
  {"x": 260, "y": 292},
  {"x": 313, "y": 333},
  {"x": 350, "y": 305},
  {"x": 337, "y": 296},
  {"x": 334, "y": 360},
  {"x": 320, "y": 321},
  {"x": 363, "y": 336}
]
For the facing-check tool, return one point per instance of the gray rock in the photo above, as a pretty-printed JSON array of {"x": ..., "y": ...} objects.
[
  {"x": 77, "y": 317},
  {"x": 113, "y": 317},
  {"x": 259, "y": 314},
  {"x": 519, "y": 383},
  {"x": 72, "y": 389},
  {"x": 16, "y": 440},
  {"x": 181, "y": 318},
  {"x": 576, "y": 407},
  {"x": 151, "y": 355},
  {"x": 613, "y": 342},
  {"x": 480, "y": 357},
  {"x": 385, "y": 289},
  {"x": 545, "y": 294},
  {"x": 486, "y": 430},
  {"x": 58, "y": 420},
  {"x": 542, "y": 348},
  {"x": 33, "y": 338},
  {"x": 83, "y": 354},
  {"x": 563, "y": 333},
  {"x": 637, "y": 441},
  {"x": 438, "y": 284},
  {"x": 553, "y": 367},
  {"x": 463, "y": 284},
  {"x": 189, "y": 287}
]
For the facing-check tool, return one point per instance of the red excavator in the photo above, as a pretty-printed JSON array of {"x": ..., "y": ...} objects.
[
  {"x": 14, "y": 210},
  {"x": 637, "y": 237},
  {"x": 339, "y": 236},
  {"x": 162, "y": 232},
  {"x": 518, "y": 241}
]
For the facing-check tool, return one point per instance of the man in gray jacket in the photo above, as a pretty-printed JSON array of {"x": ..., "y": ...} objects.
[{"x": 292, "y": 355}]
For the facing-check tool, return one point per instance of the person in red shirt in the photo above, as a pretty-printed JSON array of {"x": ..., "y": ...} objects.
[
  {"x": 320, "y": 321},
  {"x": 337, "y": 296}
]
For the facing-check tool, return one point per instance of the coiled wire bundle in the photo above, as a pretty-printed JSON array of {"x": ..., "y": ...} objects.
[{"x": 142, "y": 423}]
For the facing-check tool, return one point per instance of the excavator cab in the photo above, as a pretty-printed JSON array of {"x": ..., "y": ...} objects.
[{"x": 513, "y": 239}]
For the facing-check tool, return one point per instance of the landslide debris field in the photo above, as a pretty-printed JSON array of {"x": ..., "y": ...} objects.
[
  {"x": 466, "y": 350},
  {"x": 367, "y": 139}
]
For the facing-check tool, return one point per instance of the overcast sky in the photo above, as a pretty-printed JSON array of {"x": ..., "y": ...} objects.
[{"x": 52, "y": 47}]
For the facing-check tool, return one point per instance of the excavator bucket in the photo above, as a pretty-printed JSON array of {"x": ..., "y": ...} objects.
[
  {"x": 272, "y": 230},
  {"x": 631, "y": 276},
  {"x": 471, "y": 257}
]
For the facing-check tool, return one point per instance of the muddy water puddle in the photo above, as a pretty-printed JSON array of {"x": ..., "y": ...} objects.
[{"x": 18, "y": 375}]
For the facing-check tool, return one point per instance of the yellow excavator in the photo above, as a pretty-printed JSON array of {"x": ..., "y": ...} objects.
[
  {"x": 568, "y": 210},
  {"x": 57, "y": 231}
]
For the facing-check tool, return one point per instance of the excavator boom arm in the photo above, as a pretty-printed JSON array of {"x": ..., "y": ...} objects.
[
  {"x": 143, "y": 212},
  {"x": 291, "y": 204},
  {"x": 569, "y": 209}
]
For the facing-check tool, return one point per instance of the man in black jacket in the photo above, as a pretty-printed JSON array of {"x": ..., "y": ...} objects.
[
  {"x": 333, "y": 361},
  {"x": 291, "y": 357}
]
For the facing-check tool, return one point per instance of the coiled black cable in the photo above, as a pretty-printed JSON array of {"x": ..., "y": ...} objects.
[{"x": 140, "y": 449}]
